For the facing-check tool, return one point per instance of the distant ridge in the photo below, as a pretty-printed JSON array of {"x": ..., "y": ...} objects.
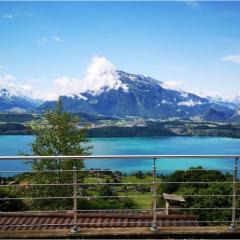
[
  {"x": 215, "y": 115},
  {"x": 11, "y": 101}
]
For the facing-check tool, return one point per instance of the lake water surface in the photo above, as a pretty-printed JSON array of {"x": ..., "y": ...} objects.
[{"x": 15, "y": 145}]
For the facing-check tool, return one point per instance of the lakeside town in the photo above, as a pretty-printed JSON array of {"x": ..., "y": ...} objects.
[{"x": 99, "y": 126}]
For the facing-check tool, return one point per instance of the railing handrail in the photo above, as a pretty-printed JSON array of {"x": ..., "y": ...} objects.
[
  {"x": 116, "y": 157},
  {"x": 154, "y": 209}
]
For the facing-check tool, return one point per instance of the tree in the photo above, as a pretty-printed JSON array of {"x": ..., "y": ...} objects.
[
  {"x": 111, "y": 200},
  {"x": 11, "y": 205},
  {"x": 210, "y": 195},
  {"x": 60, "y": 135},
  {"x": 140, "y": 175}
]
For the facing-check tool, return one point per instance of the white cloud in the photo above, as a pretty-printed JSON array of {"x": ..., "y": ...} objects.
[
  {"x": 211, "y": 94},
  {"x": 1, "y": 67},
  {"x": 218, "y": 96},
  {"x": 100, "y": 74},
  {"x": 173, "y": 84},
  {"x": 15, "y": 14},
  {"x": 8, "y": 16},
  {"x": 28, "y": 90},
  {"x": 9, "y": 77},
  {"x": 192, "y": 3},
  {"x": 57, "y": 38},
  {"x": 231, "y": 58},
  {"x": 6, "y": 79},
  {"x": 66, "y": 86},
  {"x": 42, "y": 41},
  {"x": 189, "y": 103}
]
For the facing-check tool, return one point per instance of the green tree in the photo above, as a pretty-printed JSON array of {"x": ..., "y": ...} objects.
[
  {"x": 215, "y": 196},
  {"x": 111, "y": 200},
  {"x": 140, "y": 175},
  {"x": 10, "y": 205},
  {"x": 60, "y": 135}
]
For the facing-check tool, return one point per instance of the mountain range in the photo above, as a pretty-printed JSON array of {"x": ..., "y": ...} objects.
[
  {"x": 12, "y": 101},
  {"x": 131, "y": 95}
]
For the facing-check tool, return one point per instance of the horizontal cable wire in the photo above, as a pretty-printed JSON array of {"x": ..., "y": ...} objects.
[
  {"x": 161, "y": 196},
  {"x": 89, "y": 184},
  {"x": 34, "y": 198},
  {"x": 196, "y": 182},
  {"x": 38, "y": 211},
  {"x": 122, "y": 196},
  {"x": 80, "y": 197},
  {"x": 35, "y": 225},
  {"x": 115, "y": 196},
  {"x": 71, "y": 184},
  {"x": 92, "y": 157},
  {"x": 127, "y": 183},
  {"x": 194, "y": 169},
  {"x": 205, "y": 195},
  {"x": 36, "y": 184},
  {"x": 89, "y": 171},
  {"x": 116, "y": 210},
  {"x": 145, "y": 183},
  {"x": 79, "y": 210},
  {"x": 192, "y": 208},
  {"x": 112, "y": 171},
  {"x": 52, "y": 171}
]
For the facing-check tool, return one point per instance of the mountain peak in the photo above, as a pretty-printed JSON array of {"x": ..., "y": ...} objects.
[
  {"x": 137, "y": 77},
  {"x": 127, "y": 94}
]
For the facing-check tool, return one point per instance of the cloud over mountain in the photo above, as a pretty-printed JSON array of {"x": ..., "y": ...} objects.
[
  {"x": 100, "y": 74},
  {"x": 106, "y": 91},
  {"x": 126, "y": 94}
]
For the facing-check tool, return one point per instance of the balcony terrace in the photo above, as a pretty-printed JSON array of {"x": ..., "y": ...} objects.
[{"x": 74, "y": 218}]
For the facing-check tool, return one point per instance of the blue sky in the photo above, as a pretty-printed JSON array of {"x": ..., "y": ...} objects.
[{"x": 194, "y": 46}]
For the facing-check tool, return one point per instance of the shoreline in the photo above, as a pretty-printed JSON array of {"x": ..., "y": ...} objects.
[{"x": 136, "y": 136}]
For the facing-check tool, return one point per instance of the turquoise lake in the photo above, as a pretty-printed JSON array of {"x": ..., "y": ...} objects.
[{"x": 14, "y": 145}]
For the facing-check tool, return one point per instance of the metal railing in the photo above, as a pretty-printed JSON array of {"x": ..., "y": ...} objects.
[{"x": 154, "y": 210}]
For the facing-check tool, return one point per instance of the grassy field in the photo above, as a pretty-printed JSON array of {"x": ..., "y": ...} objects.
[{"x": 141, "y": 193}]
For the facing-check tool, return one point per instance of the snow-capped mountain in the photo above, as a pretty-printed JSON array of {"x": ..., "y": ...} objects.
[
  {"x": 13, "y": 100},
  {"x": 232, "y": 102},
  {"x": 137, "y": 95},
  {"x": 121, "y": 94},
  {"x": 236, "y": 116}
]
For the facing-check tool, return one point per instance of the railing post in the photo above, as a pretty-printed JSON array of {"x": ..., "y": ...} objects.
[
  {"x": 154, "y": 227},
  {"x": 234, "y": 196},
  {"x": 75, "y": 228}
]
